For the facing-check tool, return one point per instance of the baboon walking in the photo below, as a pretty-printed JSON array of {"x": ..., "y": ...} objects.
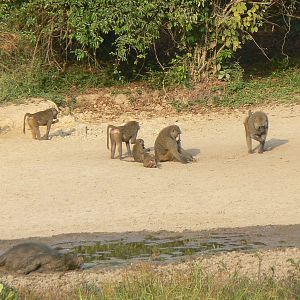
[
  {"x": 119, "y": 134},
  {"x": 42, "y": 118},
  {"x": 256, "y": 127}
]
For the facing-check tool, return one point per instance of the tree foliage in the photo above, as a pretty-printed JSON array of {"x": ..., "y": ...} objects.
[{"x": 199, "y": 35}]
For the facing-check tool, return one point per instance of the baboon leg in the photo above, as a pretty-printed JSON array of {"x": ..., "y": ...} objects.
[
  {"x": 248, "y": 138},
  {"x": 119, "y": 145},
  {"x": 133, "y": 139},
  {"x": 49, "y": 123},
  {"x": 167, "y": 157},
  {"x": 35, "y": 131},
  {"x": 115, "y": 139},
  {"x": 261, "y": 147},
  {"x": 112, "y": 149},
  {"x": 177, "y": 156},
  {"x": 261, "y": 139},
  {"x": 186, "y": 155},
  {"x": 128, "y": 149}
]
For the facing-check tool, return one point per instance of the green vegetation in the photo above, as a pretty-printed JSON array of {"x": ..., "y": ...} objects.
[
  {"x": 48, "y": 47},
  {"x": 8, "y": 293},
  {"x": 192, "y": 282},
  {"x": 157, "y": 250},
  {"x": 48, "y": 83}
]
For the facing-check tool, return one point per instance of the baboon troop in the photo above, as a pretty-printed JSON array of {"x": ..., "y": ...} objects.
[
  {"x": 119, "y": 134},
  {"x": 29, "y": 257},
  {"x": 256, "y": 127},
  {"x": 42, "y": 118},
  {"x": 167, "y": 146}
]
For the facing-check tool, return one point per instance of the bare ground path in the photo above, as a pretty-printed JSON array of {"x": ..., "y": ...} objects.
[{"x": 70, "y": 185}]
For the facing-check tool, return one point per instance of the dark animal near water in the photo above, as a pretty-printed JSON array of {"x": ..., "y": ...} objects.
[{"x": 29, "y": 257}]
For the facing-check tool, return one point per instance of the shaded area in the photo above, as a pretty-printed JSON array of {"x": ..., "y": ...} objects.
[
  {"x": 274, "y": 143},
  {"x": 193, "y": 152},
  {"x": 5, "y": 129},
  {"x": 62, "y": 133},
  {"x": 116, "y": 249}
]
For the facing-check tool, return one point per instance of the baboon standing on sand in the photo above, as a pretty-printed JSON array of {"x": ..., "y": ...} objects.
[
  {"x": 119, "y": 134},
  {"x": 42, "y": 118},
  {"x": 256, "y": 127}
]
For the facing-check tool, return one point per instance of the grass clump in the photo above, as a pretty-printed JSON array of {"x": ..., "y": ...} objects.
[
  {"x": 191, "y": 282},
  {"x": 7, "y": 292},
  {"x": 280, "y": 86},
  {"x": 49, "y": 83},
  {"x": 195, "y": 283}
]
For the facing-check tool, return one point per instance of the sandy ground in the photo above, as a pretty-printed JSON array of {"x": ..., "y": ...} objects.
[{"x": 69, "y": 184}]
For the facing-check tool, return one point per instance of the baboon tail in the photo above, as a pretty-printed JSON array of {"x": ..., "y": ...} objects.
[
  {"x": 249, "y": 112},
  {"x": 26, "y": 115}
]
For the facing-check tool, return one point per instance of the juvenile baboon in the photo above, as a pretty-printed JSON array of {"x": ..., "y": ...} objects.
[
  {"x": 139, "y": 150},
  {"x": 150, "y": 161},
  {"x": 119, "y": 134},
  {"x": 256, "y": 127},
  {"x": 42, "y": 118},
  {"x": 29, "y": 257},
  {"x": 167, "y": 146}
]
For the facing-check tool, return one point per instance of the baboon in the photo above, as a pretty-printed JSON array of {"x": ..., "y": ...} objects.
[
  {"x": 139, "y": 150},
  {"x": 119, "y": 134},
  {"x": 150, "y": 161},
  {"x": 256, "y": 127},
  {"x": 42, "y": 118},
  {"x": 29, "y": 257},
  {"x": 167, "y": 146}
]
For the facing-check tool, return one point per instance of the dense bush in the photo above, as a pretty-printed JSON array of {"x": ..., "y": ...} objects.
[{"x": 192, "y": 37}]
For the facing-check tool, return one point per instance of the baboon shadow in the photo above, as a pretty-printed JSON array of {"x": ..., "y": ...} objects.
[
  {"x": 4, "y": 130},
  {"x": 61, "y": 133},
  {"x": 272, "y": 144},
  {"x": 193, "y": 152}
]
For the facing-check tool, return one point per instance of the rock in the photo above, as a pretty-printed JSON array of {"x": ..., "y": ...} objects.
[
  {"x": 158, "y": 107},
  {"x": 87, "y": 99},
  {"x": 122, "y": 99}
]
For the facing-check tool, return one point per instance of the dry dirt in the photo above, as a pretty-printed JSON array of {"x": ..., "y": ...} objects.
[{"x": 69, "y": 184}]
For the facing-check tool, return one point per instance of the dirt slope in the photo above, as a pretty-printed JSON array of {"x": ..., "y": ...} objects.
[{"x": 69, "y": 184}]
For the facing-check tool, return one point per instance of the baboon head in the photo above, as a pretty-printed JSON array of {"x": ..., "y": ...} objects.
[
  {"x": 175, "y": 132},
  {"x": 140, "y": 142},
  {"x": 55, "y": 112}
]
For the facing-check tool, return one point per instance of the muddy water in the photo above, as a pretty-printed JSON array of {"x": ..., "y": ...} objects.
[{"x": 117, "y": 249}]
